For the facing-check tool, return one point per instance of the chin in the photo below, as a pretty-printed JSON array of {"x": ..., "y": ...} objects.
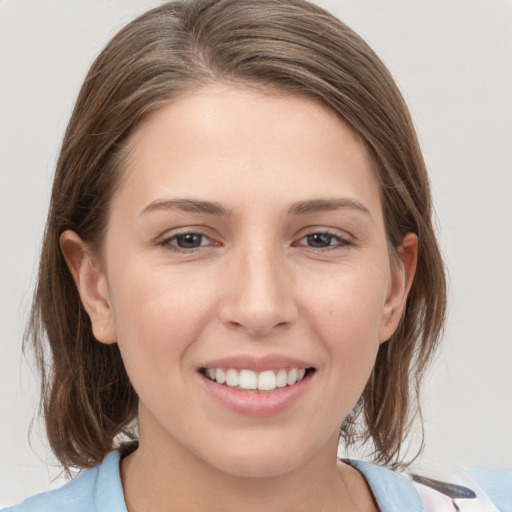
[
  {"x": 259, "y": 458},
  {"x": 259, "y": 467}
]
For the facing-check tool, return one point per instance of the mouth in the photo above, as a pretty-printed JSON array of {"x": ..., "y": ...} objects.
[
  {"x": 257, "y": 386},
  {"x": 257, "y": 382}
]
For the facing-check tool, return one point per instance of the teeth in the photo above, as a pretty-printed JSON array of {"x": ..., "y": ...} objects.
[
  {"x": 220, "y": 375},
  {"x": 248, "y": 379},
  {"x": 281, "y": 379},
  {"x": 232, "y": 379},
  {"x": 267, "y": 380},
  {"x": 292, "y": 377}
]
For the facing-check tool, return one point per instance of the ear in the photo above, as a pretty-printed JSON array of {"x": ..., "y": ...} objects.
[
  {"x": 91, "y": 284},
  {"x": 402, "y": 275}
]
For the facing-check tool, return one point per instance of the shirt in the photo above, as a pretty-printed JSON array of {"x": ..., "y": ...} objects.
[{"x": 99, "y": 490}]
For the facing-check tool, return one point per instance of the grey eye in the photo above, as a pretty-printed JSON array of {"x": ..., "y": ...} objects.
[
  {"x": 320, "y": 240},
  {"x": 189, "y": 240}
]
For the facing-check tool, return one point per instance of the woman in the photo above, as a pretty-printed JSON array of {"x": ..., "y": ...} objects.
[{"x": 239, "y": 258}]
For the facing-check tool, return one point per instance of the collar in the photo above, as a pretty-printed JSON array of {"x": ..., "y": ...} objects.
[{"x": 392, "y": 491}]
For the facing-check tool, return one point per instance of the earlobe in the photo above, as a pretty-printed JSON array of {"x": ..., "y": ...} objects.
[
  {"x": 91, "y": 284},
  {"x": 402, "y": 276}
]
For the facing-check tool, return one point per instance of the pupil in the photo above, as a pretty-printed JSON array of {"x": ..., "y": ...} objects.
[
  {"x": 189, "y": 240},
  {"x": 319, "y": 240}
]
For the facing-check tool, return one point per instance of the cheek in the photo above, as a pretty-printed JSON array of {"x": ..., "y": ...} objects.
[
  {"x": 348, "y": 303},
  {"x": 346, "y": 314},
  {"x": 157, "y": 315}
]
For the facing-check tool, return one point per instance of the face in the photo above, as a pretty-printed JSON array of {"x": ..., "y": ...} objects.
[{"x": 246, "y": 242}]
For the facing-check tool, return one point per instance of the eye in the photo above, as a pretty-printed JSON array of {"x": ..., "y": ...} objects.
[
  {"x": 319, "y": 240},
  {"x": 186, "y": 241},
  {"x": 324, "y": 240}
]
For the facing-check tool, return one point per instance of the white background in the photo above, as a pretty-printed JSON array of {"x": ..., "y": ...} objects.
[{"x": 453, "y": 62}]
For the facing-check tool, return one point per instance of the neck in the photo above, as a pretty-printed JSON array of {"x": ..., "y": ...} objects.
[
  {"x": 163, "y": 475},
  {"x": 163, "y": 481}
]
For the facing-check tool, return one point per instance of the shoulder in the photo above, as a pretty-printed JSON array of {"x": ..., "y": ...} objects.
[
  {"x": 475, "y": 489},
  {"x": 497, "y": 484},
  {"x": 98, "y": 489},
  {"x": 438, "y": 490},
  {"x": 392, "y": 491}
]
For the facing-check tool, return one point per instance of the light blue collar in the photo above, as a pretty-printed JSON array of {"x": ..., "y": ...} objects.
[
  {"x": 496, "y": 484},
  {"x": 393, "y": 492},
  {"x": 109, "y": 490}
]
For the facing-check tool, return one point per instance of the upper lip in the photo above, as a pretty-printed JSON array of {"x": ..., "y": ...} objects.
[{"x": 256, "y": 363}]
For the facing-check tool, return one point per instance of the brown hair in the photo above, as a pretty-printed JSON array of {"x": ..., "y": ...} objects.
[{"x": 283, "y": 45}]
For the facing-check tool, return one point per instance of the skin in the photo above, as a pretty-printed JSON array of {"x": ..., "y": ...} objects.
[{"x": 255, "y": 285}]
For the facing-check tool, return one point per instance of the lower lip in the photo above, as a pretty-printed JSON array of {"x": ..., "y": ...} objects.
[{"x": 249, "y": 403}]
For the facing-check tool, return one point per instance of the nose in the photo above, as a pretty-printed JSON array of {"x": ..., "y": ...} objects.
[{"x": 260, "y": 296}]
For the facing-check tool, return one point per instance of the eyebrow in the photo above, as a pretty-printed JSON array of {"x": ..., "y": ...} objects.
[
  {"x": 187, "y": 205},
  {"x": 297, "y": 208},
  {"x": 323, "y": 205}
]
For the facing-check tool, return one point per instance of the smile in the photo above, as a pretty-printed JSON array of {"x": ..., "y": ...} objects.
[{"x": 249, "y": 380}]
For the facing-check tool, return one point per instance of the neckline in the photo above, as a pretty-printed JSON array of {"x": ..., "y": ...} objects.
[{"x": 391, "y": 491}]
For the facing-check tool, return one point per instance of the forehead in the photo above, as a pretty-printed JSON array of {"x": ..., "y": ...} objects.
[{"x": 228, "y": 141}]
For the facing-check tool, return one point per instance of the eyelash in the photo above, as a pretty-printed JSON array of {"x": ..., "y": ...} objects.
[
  {"x": 167, "y": 243},
  {"x": 341, "y": 242}
]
